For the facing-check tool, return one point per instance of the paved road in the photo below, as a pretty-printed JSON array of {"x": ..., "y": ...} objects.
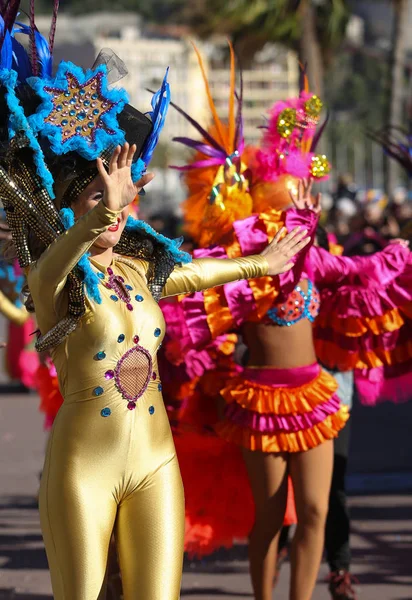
[{"x": 382, "y": 531}]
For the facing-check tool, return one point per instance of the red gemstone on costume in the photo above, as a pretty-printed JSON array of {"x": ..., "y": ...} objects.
[
  {"x": 129, "y": 306},
  {"x": 110, "y": 270},
  {"x": 136, "y": 339},
  {"x": 109, "y": 374},
  {"x": 154, "y": 376},
  {"x": 131, "y": 405}
]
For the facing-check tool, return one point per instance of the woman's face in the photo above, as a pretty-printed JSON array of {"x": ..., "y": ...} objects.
[{"x": 87, "y": 200}]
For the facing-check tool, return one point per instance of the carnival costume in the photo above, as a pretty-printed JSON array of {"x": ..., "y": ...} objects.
[
  {"x": 111, "y": 460},
  {"x": 21, "y": 358},
  {"x": 234, "y": 197}
]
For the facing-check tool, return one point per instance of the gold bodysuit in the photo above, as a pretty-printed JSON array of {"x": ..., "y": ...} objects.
[
  {"x": 111, "y": 462},
  {"x": 15, "y": 314}
]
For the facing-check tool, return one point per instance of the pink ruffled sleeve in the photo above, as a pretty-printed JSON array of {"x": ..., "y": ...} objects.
[
  {"x": 363, "y": 286},
  {"x": 289, "y": 280},
  {"x": 234, "y": 301}
]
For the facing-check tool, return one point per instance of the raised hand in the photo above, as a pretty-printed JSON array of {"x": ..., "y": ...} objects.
[
  {"x": 279, "y": 252},
  {"x": 119, "y": 189},
  {"x": 303, "y": 199},
  {"x": 400, "y": 242}
]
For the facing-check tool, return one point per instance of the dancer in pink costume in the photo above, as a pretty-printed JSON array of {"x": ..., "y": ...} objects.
[
  {"x": 281, "y": 409},
  {"x": 21, "y": 358}
]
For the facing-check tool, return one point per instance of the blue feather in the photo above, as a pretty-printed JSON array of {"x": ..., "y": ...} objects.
[
  {"x": 44, "y": 56},
  {"x": 160, "y": 104},
  {"x": 138, "y": 169},
  {"x": 18, "y": 122},
  {"x": 6, "y": 51},
  {"x": 171, "y": 246},
  {"x": 109, "y": 135},
  {"x": 21, "y": 61}
]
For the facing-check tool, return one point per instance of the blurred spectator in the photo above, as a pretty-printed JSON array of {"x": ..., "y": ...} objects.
[{"x": 346, "y": 187}]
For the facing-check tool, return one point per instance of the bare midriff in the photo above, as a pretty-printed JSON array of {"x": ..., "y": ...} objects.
[{"x": 280, "y": 347}]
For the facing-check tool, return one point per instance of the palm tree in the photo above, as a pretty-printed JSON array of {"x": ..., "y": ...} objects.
[
  {"x": 397, "y": 89},
  {"x": 314, "y": 28}
]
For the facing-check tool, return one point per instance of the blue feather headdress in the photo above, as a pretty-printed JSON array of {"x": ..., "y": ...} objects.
[{"x": 55, "y": 124}]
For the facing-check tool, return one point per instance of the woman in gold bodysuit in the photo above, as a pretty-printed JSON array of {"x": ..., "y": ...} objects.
[{"x": 111, "y": 462}]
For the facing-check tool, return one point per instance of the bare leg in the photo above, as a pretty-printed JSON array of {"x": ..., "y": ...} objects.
[
  {"x": 311, "y": 474},
  {"x": 268, "y": 479}
]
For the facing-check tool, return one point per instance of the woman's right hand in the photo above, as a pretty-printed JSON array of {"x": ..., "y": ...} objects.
[
  {"x": 119, "y": 189},
  {"x": 399, "y": 242},
  {"x": 279, "y": 252},
  {"x": 304, "y": 199}
]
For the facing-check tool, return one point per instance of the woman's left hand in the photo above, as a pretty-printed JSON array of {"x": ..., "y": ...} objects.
[{"x": 304, "y": 200}]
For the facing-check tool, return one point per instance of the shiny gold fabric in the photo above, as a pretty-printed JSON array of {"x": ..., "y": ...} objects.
[
  {"x": 108, "y": 466},
  {"x": 13, "y": 313}
]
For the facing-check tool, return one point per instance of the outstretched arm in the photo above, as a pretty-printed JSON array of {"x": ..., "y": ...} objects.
[
  {"x": 379, "y": 269},
  {"x": 13, "y": 313},
  {"x": 205, "y": 273}
]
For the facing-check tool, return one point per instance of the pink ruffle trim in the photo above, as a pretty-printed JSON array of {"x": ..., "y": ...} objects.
[
  {"x": 367, "y": 342},
  {"x": 272, "y": 423},
  {"x": 385, "y": 384}
]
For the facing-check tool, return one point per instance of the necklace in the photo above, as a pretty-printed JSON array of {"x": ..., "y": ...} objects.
[{"x": 116, "y": 283}]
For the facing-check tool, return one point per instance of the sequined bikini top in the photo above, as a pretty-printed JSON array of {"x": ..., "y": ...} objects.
[{"x": 299, "y": 305}]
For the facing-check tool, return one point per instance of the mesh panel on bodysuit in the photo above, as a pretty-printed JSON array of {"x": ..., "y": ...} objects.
[{"x": 133, "y": 373}]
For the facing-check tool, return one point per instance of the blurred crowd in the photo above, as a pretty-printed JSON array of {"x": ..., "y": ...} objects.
[{"x": 364, "y": 220}]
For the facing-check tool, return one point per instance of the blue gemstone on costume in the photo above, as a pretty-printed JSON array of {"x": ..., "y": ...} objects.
[
  {"x": 160, "y": 387},
  {"x": 96, "y": 111},
  {"x": 106, "y": 412},
  {"x": 114, "y": 298},
  {"x": 73, "y": 100},
  {"x": 121, "y": 337},
  {"x": 86, "y": 102},
  {"x": 65, "y": 122},
  {"x": 99, "y": 274},
  {"x": 151, "y": 410},
  {"x": 78, "y": 129},
  {"x": 59, "y": 107},
  {"x": 90, "y": 124},
  {"x": 157, "y": 332},
  {"x": 100, "y": 355},
  {"x": 81, "y": 116},
  {"x": 98, "y": 391},
  {"x": 67, "y": 94},
  {"x": 95, "y": 96},
  {"x": 139, "y": 298},
  {"x": 128, "y": 287},
  {"x": 82, "y": 92},
  {"x": 72, "y": 113}
]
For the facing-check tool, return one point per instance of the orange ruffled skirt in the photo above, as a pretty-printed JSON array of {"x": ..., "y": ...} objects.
[{"x": 282, "y": 410}]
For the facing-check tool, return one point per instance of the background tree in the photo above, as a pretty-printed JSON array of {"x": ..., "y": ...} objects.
[{"x": 397, "y": 112}]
